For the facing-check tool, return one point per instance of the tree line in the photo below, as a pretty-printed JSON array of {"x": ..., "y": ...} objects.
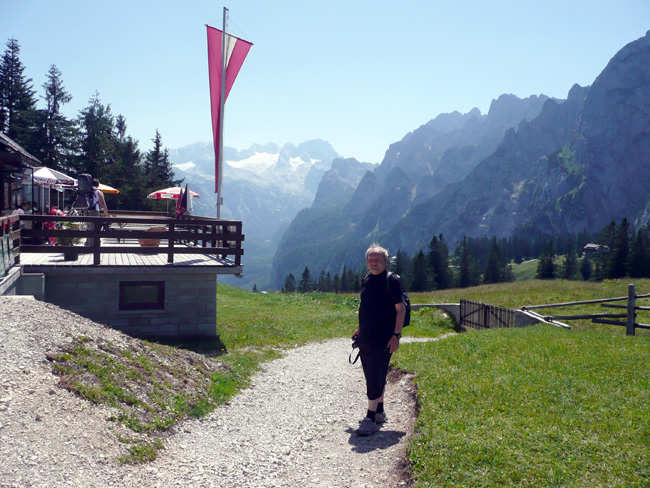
[
  {"x": 484, "y": 260},
  {"x": 95, "y": 141}
]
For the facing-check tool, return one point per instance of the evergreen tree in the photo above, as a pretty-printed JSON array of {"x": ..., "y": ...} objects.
[
  {"x": 321, "y": 280},
  {"x": 289, "y": 284},
  {"x": 96, "y": 138},
  {"x": 58, "y": 133},
  {"x": 468, "y": 274},
  {"x": 620, "y": 251},
  {"x": 586, "y": 268},
  {"x": 336, "y": 283},
  {"x": 492, "y": 272},
  {"x": 18, "y": 116},
  {"x": 419, "y": 272},
  {"x": 344, "y": 280},
  {"x": 639, "y": 260},
  {"x": 546, "y": 267},
  {"x": 126, "y": 173},
  {"x": 305, "y": 282},
  {"x": 438, "y": 259},
  {"x": 158, "y": 167},
  {"x": 328, "y": 282},
  {"x": 570, "y": 267},
  {"x": 254, "y": 287}
]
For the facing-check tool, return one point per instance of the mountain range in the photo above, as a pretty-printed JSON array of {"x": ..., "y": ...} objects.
[
  {"x": 264, "y": 186},
  {"x": 537, "y": 163}
]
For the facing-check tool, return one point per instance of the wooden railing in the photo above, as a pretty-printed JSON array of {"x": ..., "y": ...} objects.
[
  {"x": 629, "y": 313},
  {"x": 9, "y": 242},
  {"x": 188, "y": 235}
]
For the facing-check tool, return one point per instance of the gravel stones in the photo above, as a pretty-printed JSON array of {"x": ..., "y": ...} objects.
[{"x": 294, "y": 426}]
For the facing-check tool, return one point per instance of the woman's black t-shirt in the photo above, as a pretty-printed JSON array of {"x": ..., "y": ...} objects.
[{"x": 377, "y": 308}]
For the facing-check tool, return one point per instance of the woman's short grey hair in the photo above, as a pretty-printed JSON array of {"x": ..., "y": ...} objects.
[{"x": 377, "y": 249}]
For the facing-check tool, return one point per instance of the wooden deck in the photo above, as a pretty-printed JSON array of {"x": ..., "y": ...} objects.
[
  {"x": 40, "y": 262},
  {"x": 128, "y": 243}
]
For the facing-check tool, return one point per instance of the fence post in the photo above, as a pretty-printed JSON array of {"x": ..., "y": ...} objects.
[
  {"x": 631, "y": 302},
  {"x": 170, "y": 244}
]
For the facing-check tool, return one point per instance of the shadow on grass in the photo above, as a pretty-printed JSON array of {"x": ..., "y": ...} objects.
[
  {"x": 207, "y": 346},
  {"x": 379, "y": 440}
]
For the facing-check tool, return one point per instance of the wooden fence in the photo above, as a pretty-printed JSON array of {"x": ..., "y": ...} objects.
[
  {"x": 479, "y": 315},
  {"x": 630, "y": 314},
  {"x": 9, "y": 242},
  {"x": 197, "y": 235}
]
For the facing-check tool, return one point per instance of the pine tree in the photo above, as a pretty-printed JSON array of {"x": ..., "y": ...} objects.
[
  {"x": 328, "y": 282},
  {"x": 18, "y": 116},
  {"x": 158, "y": 167},
  {"x": 546, "y": 267},
  {"x": 492, "y": 272},
  {"x": 126, "y": 173},
  {"x": 96, "y": 138},
  {"x": 586, "y": 268},
  {"x": 438, "y": 259},
  {"x": 570, "y": 267},
  {"x": 254, "y": 287},
  {"x": 344, "y": 279},
  {"x": 419, "y": 272},
  {"x": 639, "y": 259},
  {"x": 289, "y": 284},
  {"x": 465, "y": 278},
  {"x": 619, "y": 253},
  {"x": 305, "y": 282},
  {"x": 58, "y": 133}
]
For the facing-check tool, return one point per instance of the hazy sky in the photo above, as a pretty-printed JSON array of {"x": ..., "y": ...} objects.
[{"x": 359, "y": 74}]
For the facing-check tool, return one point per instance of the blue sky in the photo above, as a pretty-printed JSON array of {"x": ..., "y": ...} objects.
[{"x": 359, "y": 74}]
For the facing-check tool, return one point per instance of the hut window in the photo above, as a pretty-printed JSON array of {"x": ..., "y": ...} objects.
[{"x": 142, "y": 295}]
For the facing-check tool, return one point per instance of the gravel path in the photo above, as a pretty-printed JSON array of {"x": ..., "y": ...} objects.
[{"x": 293, "y": 427}]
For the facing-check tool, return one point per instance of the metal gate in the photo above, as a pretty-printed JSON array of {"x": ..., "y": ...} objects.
[{"x": 479, "y": 315}]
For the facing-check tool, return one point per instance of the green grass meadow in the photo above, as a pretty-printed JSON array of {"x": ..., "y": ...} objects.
[{"x": 536, "y": 406}]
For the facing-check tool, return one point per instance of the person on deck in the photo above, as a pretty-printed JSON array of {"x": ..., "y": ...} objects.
[
  {"x": 96, "y": 204},
  {"x": 381, "y": 318}
]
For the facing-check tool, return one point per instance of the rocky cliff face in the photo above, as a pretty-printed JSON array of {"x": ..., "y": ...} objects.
[
  {"x": 580, "y": 164},
  {"x": 426, "y": 160},
  {"x": 552, "y": 165}
]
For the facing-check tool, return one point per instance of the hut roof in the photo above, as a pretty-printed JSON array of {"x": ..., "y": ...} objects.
[{"x": 13, "y": 155}]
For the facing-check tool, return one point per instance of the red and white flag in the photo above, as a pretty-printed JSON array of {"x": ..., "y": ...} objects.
[{"x": 235, "y": 53}]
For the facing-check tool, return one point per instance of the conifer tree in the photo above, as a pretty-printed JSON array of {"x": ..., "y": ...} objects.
[
  {"x": 438, "y": 259},
  {"x": 328, "y": 282},
  {"x": 570, "y": 267},
  {"x": 58, "y": 133},
  {"x": 586, "y": 268},
  {"x": 254, "y": 287},
  {"x": 546, "y": 267},
  {"x": 96, "y": 138},
  {"x": 344, "y": 279},
  {"x": 305, "y": 282},
  {"x": 419, "y": 272},
  {"x": 620, "y": 251},
  {"x": 18, "y": 116},
  {"x": 492, "y": 272},
  {"x": 289, "y": 284},
  {"x": 158, "y": 167},
  {"x": 639, "y": 260}
]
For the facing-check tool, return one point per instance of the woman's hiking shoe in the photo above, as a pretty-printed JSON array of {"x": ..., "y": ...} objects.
[
  {"x": 380, "y": 418},
  {"x": 367, "y": 427}
]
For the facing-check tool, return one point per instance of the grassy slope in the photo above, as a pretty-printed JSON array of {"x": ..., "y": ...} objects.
[{"x": 539, "y": 406}]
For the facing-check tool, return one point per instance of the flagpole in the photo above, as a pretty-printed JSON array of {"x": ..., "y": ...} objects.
[{"x": 221, "y": 108}]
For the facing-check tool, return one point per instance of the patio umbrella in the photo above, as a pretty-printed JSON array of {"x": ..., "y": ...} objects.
[
  {"x": 108, "y": 189},
  {"x": 172, "y": 193},
  {"x": 49, "y": 176}
]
